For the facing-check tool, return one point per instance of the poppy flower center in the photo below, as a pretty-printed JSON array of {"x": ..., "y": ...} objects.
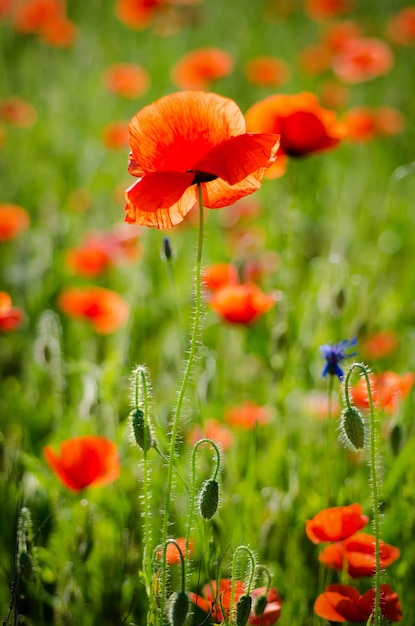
[{"x": 201, "y": 177}]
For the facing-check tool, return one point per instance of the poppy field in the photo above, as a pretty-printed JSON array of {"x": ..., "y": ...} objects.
[{"x": 207, "y": 313}]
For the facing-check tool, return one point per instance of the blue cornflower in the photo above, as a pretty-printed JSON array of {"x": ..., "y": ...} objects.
[{"x": 334, "y": 354}]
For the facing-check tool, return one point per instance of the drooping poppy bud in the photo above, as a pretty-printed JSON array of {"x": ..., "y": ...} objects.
[
  {"x": 141, "y": 430},
  {"x": 243, "y": 609},
  {"x": 178, "y": 608},
  {"x": 209, "y": 498},
  {"x": 352, "y": 428}
]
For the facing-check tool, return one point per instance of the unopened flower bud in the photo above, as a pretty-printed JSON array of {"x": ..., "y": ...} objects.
[
  {"x": 352, "y": 428},
  {"x": 209, "y": 499},
  {"x": 260, "y": 604},
  {"x": 178, "y": 608},
  {"x": 243, "y": 609},
  {"x": 142, "y": 432}
]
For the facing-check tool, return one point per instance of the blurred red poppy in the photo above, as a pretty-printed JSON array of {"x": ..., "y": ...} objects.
[
  {"x": 103, "y": 308},
  {"x": 380, "y": 344},
  {"x": 401, "y": 27},
  {"x": 342, "y": 603},
  {"x": 88, "y": 461},
  {"x": 32, "y": 16},
  {"x": 388, "y": 390},
  {"x": 333, "y": 94},
  {"x": 208, "y": 601},
  {"x": 197, "y": 69},
  {"x": 212, "y": 429},
  {"x": 336, "y": 523},
  {"x": 101, "y": 250},
  {"x": 338, "y": 34},
  {"x": 115, "y": 135},
  {"x": 13, "y": 221},
  {"x": 18, "y": 112},
  {"x": 247, "y": 415},
  {"x": 172, "y": 553},
  {"x": 267, "y": 71},
  {"x": 358, "y": 554},
  {"x": 126, "y": 79},
  {"x": 363, "y": 59},
  {"x": 304, "y": 126},
  {"x": 137, "y": 14},
  {"x": 186, "y": 138},
  {"x": 219, "y": 275},
  {"x": 272, "y": 611},
  {"x": 60, "y": 33},
  {"x": 5, "y": 8},
  {"x": 10, "y": 316},
  {"x": 326, "y": 9},
  {"x": 241, "y": 303}
]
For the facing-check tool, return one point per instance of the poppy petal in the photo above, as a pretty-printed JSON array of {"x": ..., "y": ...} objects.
[
  {"x": 177, "y": 131},
  {"x": 160, "y": 199},
  {"x": 238, "y": 157}
]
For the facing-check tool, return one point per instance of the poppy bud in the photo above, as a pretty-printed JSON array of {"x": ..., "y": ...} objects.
[
  {"x": 142, "y": 433},
  {"x": 243, "y": 609},
  {"x": 209, "y": 498},
  {"x": 352, "y": 428},
  {"x": 260, "y": 604},
  {"x": 168, "y": 252},
  {"x": 179, "y": 608},
  {"x": 396, "y": 439}
]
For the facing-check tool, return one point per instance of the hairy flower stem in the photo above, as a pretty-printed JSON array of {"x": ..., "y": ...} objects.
[
  {"x": 180, "y": 399},
  {"x": 193, "y": 493},
  {"x": 250, "y": 575},
  {"x": 329, "y": 450},
  {"x": 374, "y": 492},
  {"x": 141, "y": 401}
]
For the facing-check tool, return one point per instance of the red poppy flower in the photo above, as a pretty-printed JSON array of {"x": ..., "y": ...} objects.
[
  {"x": 333, "y": 94},
  {"x": 126, "y": 79},
  {"x": 208, "y": 601},
  {"x": 137, "y": 14},
  {"x": 358, "y": 553},
  {"x": 267, "y": 71},
  {"x": 241, "y": 303},
  {"x": 32, "y": 16},
  {"x": 326, "y": 9},
  {"x": 218, "y": 275},
  {"x": 247, "y": 415},
  {"x": 336, "y": 523},
  {"x": 212, "y": 429},
  {"x": 13, "y": 221},
  {"x": 60, "y": 33},
  {"x": 101, "y": 250},
  {"x": 380, "y": 344},
  {"x": 191, "y": 137},
  {"x": 272, "y": 609},
  {"x": 10, "y": 316},
  {"x": 172, "y": 554},
  {"x": 115, "y": 135},
  {"x": 5, "y": 8},
  {"x": 84, "y": 462},
  {"x": 342, "y": 603},
  {"x": 304, "y": 126},
  {"x": 198, "y": 68},
  {"x": 338, "y": 34},
  {"x": 363, "y": 59},
  {"x": 388, "y": 389},
  {"x": 401, "y": 27},
  {"x": 17, "y": 112},
  {"x": 105, "y": 309}
]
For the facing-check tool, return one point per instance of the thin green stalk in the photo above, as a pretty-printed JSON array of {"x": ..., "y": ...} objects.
[
  {"x": 374, "y": 492},
  {"x": 193, "y": 492},
  {"x": 329, "y": 437},
  {"x": 182, "y": 391},
  {"x": 252, "y": 573}
]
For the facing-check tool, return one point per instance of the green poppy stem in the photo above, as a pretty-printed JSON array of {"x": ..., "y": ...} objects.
[
  {"x": 180, "y": 400},
  {"x": 374, "y": 492}
]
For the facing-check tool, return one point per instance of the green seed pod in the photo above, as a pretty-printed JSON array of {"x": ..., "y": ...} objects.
[
  {"x": 142, "y": 432},
  {"x": 260, "y": 605},
  {"x": 178, "y": 608},
  {"x": 209, "y": 499},
  {"x": 243, "y": 610},
  {"x": 352, "y": 428},
  {"x": 396, "y": 439}
]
